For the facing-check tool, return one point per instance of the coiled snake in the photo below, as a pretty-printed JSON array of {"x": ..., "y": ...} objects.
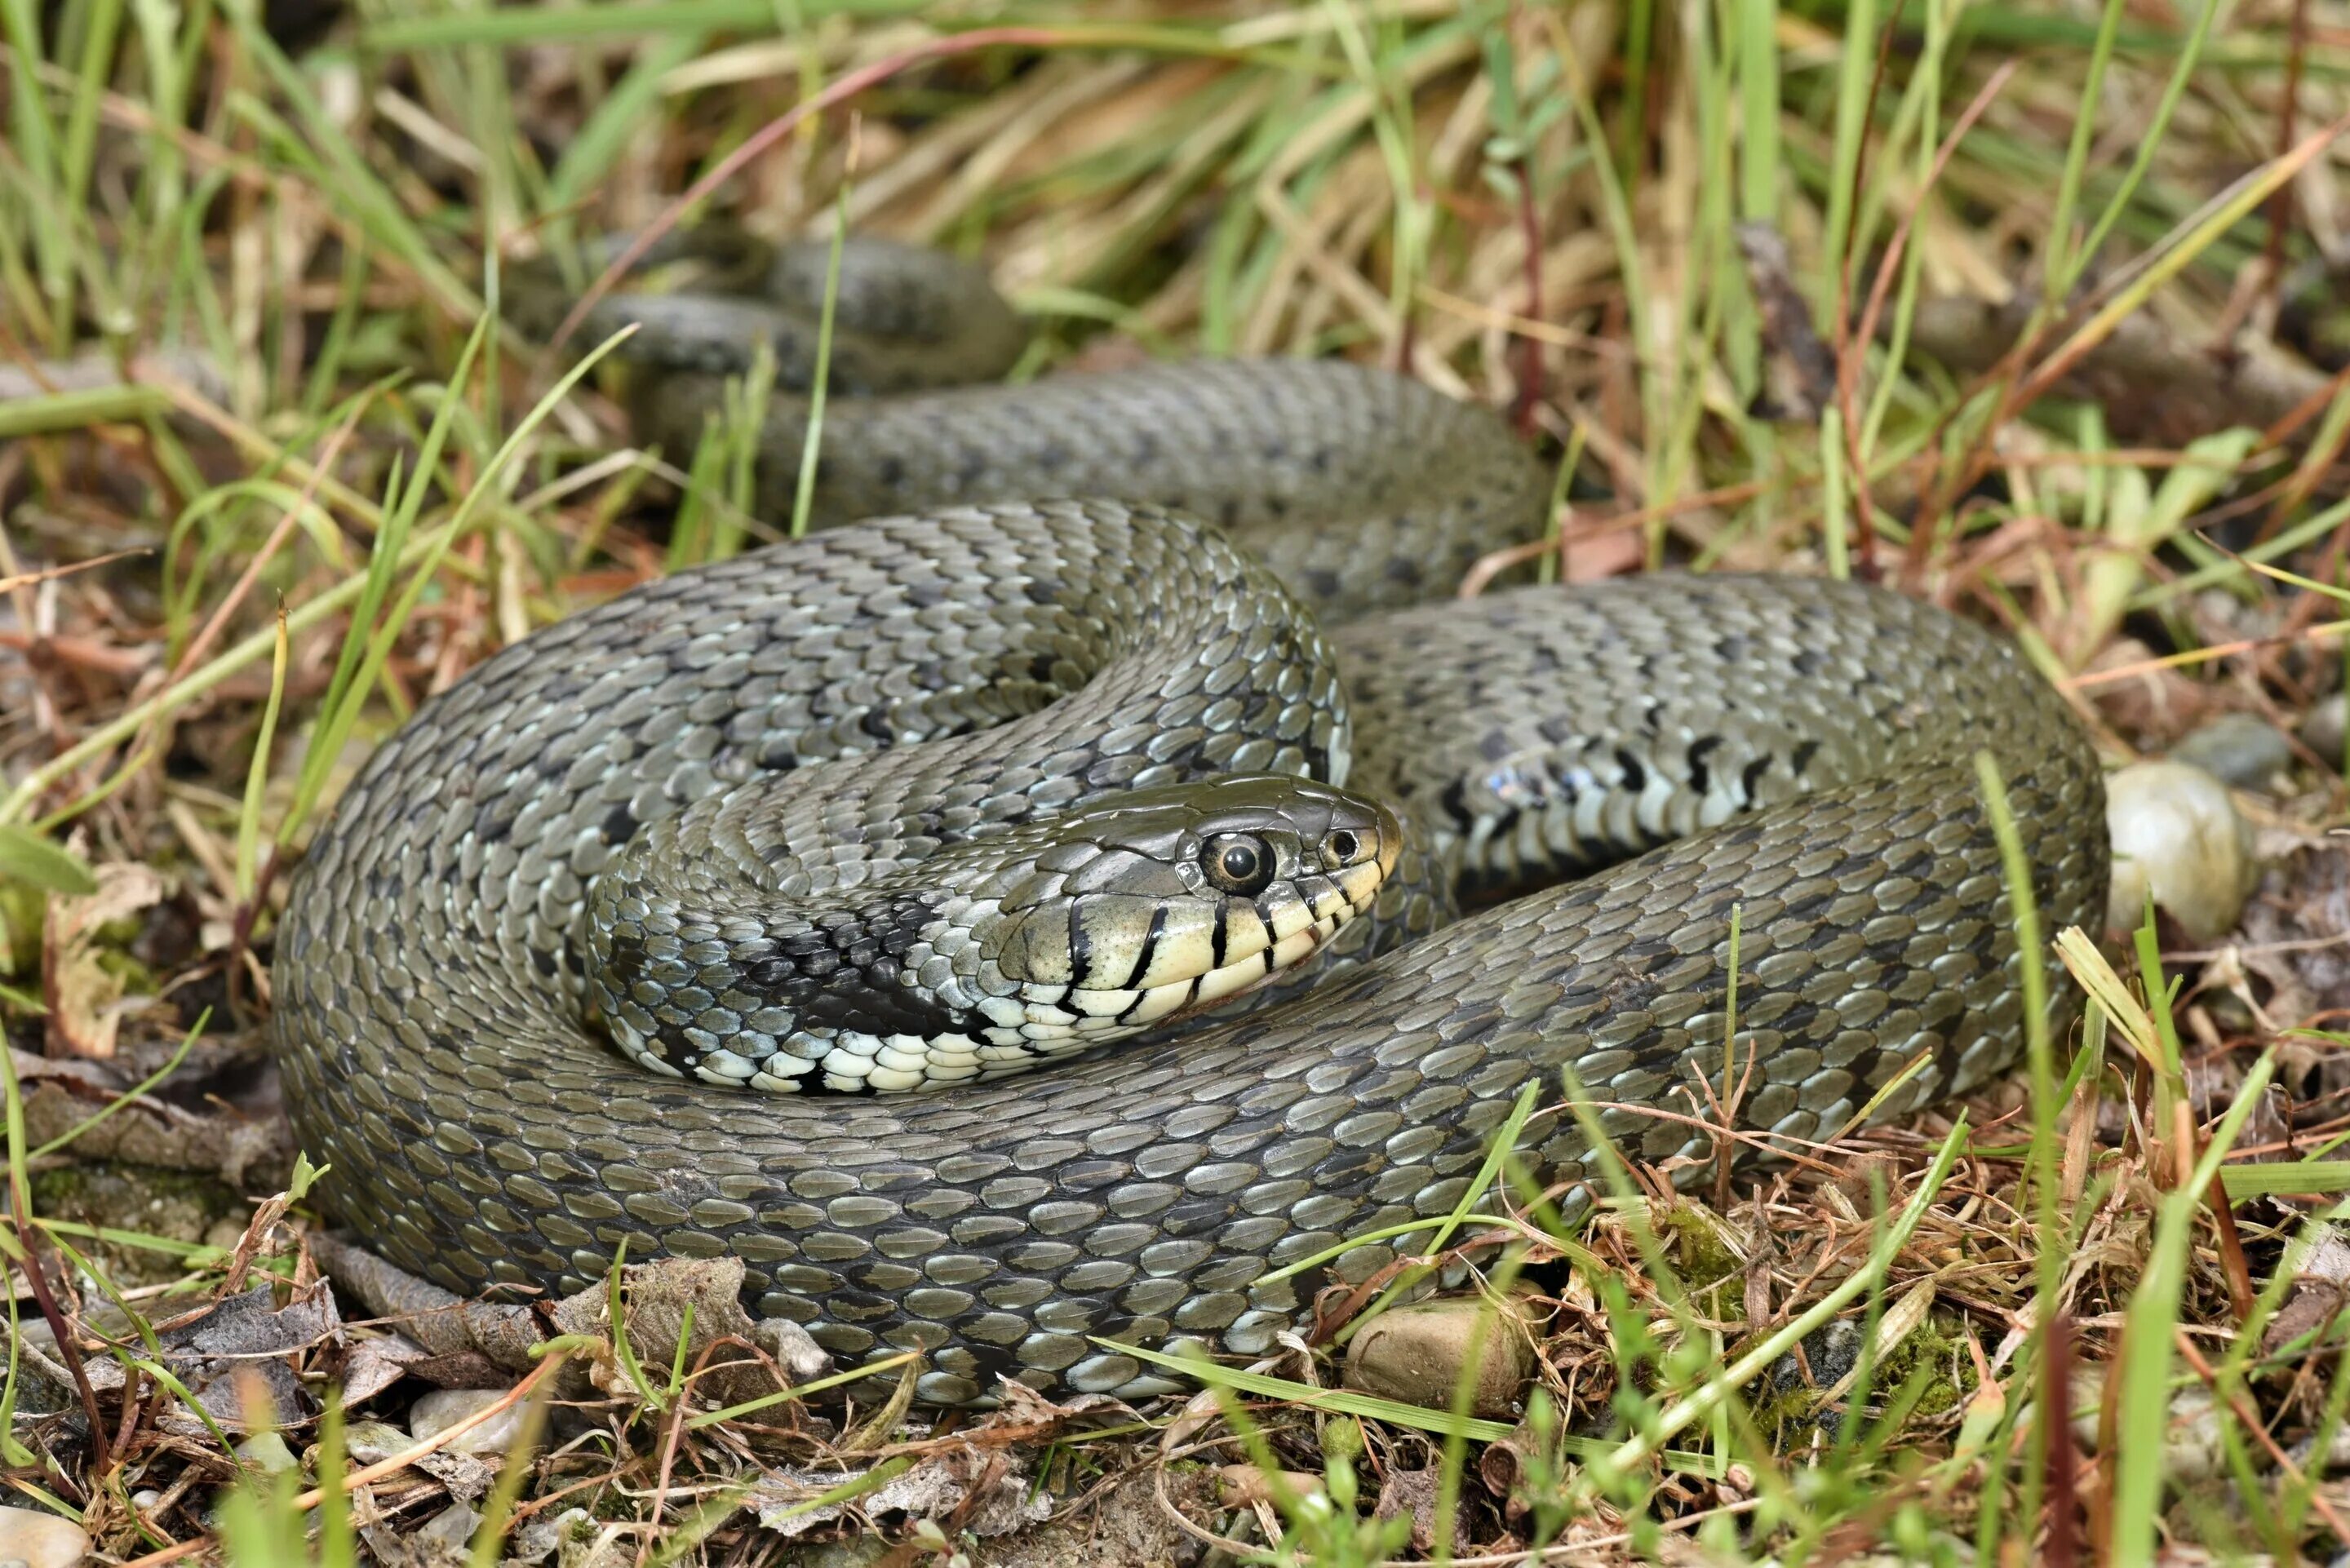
[{"x": 926, "y": 797}]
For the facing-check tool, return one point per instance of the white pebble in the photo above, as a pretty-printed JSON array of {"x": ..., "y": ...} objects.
[
  {"x": 2174, "y": 831},
  {"x": 444, "y": 1407},
  {"x": 40, "y": 1540}
]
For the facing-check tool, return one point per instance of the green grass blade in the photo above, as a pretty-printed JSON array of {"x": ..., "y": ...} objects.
[{"x": 2143, "y": 1422}]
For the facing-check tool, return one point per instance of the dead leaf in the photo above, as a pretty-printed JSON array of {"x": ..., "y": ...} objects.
[
  {"x": 88, "y": 1001},
  {"x": 376, "y": 1362},
  {"x": 247, "y": 1340},
  {"x": 655, "y": 1298},
  {"x": 2321, "y": 1285},
  {"x": 154, "y": 1132},
  {"x": 985, "y": 1491}
]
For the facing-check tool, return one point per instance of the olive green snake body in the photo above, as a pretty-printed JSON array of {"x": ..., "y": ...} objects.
[{"x": 925, "y": 762}]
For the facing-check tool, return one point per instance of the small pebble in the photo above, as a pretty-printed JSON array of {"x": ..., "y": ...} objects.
[
  {"x": 268, "y": 1452},
  {"x": 2238, "y": 749},
  {"x": 452, "y": 1526},
  {"x": 1830, "y": 1353},
  {"x": 2174, "y": 831},
  {"x": 794, "y": 1348},
  {"x": 40, "y": 1540},
  {"x": 1245, "y": 1486},
  {"x": 1417, "y": 1354},
  {"x": 2322, "y": 731},
  {"x": 2191, "y": 1447},
  {"x": 540, "y": 1536},
  {"x": 372, "y": 1442},
  {"x": 444, "y": 1407}
]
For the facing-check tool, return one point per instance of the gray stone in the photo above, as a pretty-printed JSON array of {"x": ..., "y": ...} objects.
[
  {"x": 267, "y": 1451},
  {"x": 2238, "y": 749},
  {"x": 2176, "y": 832},
  {"x": 2322, "y": 731}
]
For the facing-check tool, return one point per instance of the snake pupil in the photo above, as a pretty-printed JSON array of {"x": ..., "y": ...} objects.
[{"x": 1239, "y": 864}]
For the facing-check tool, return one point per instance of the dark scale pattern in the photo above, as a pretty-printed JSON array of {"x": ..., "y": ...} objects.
[
  {"x": 1333, "y": 474},
  {"x": 903, "y": 317},
  {"x": 480, "y": 1134},
  {"x": 1800, "y": 750}
]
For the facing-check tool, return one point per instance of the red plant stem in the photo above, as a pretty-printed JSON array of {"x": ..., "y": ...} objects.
[
  {"x": 1856, "y": 351},
  {"x": 2280, "y": 204},
  {"x": 2063, "y": 1502},
  {"x": 62, "y": 1333},
  {"x": 1530, "y": 359}
]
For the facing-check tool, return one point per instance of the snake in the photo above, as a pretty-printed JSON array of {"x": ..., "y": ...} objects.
[{"x": 1098, "y": 892}]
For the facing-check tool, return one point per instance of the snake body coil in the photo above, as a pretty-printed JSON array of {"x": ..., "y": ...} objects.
[{"x": 984, "y": 678}]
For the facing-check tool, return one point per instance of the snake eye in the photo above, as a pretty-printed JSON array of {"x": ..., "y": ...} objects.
[
  {"x": 1237, "y": 863},
  {"x": 1339, "y": 849}
]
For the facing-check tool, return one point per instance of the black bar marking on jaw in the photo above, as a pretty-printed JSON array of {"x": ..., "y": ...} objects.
[
  {"x": 1189, "y": 986},
  {"x": 1216, "y": 947},
  {"x": 1081, "y": 949},
  {"x": 1149, "y": 950}
]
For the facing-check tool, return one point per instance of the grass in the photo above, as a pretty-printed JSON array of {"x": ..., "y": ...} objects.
[{"x": 218, "y": 590}]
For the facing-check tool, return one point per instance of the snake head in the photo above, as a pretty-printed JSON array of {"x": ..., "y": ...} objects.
[
  {"x": 980, "y": 956},
  {"x": 1164, "y": 902}
]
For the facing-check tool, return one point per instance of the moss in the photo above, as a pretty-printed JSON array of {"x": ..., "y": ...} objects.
[
  {"x": 146, "y": 1200},
  {"x": 1952, "y": 1378},
  {"x": 1785, "y": 1405},
  {"x": 1700, "y": 1251}
]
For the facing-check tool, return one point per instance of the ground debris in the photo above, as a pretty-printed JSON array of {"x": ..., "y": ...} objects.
[
  {"x": 241, "y": 1149},
  {"x": 699, "y": 1300},
  {"x": 985, "y": 1491},
  {"x": 1413, "y": 1494},
  {"x": 2321, "y": 1286},
  {"x": 239, "y": 1348}
]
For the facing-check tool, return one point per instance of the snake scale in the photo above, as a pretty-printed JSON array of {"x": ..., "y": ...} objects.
[{"x": 999, "y": 777}]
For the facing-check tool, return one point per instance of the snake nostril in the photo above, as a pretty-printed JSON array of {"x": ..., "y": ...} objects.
[{"x": 1340, "y": 847}]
